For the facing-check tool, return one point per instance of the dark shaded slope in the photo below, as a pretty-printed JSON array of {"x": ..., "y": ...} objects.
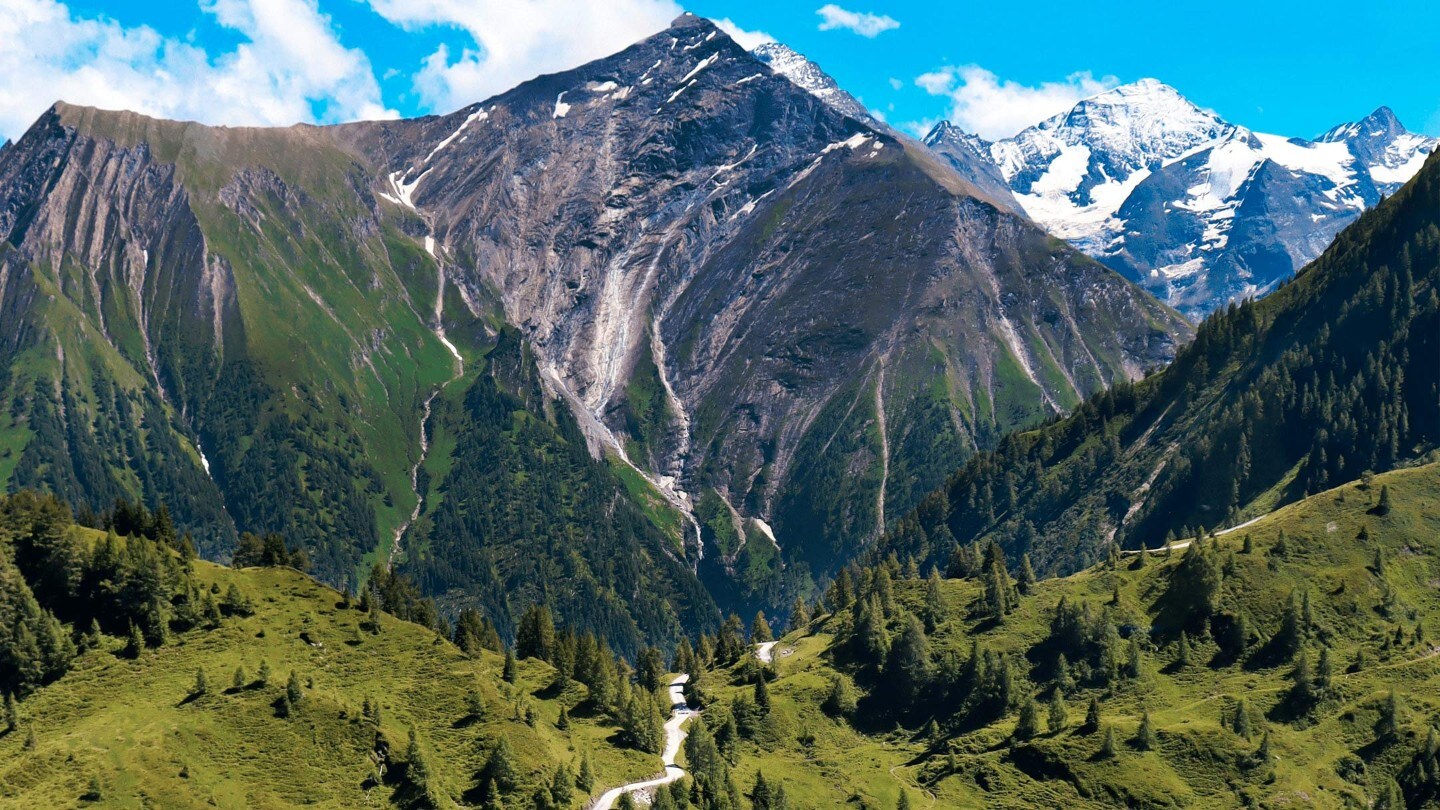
[{"x": 1333, "y": 375}]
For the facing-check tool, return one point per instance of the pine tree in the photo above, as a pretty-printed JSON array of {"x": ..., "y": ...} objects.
[
  {"x": 1027, "y": 575},
  {"x": 511, "y": 670},
  {"x": 1064, "y": 681},
  {"x": 282, "y": 706},
  {"x": 1092, "y": 716},
  {"x": 1242, "y": 719},
  {"x": 1324, "y": 671},
  {"x": 1392, "y": 799},
  {"x": 760, "y": 793},
  {"x": 799, "y": 615},
  {"x": 1182, "y": 652},
  {"x": 535, "y": 635},
  {"x": 563, "y": 721},
  {"x": 841, "y": 700},
  {"x": 562, "y": 786},
  {"x": 1107, "y": 748},
  {"x": 585, "y": 780},
  {"x": 904, "y": 802},
  {"x": 934, "y": 609},
  {"x": 762, "y": 695},
  {"x": 1247, "y": 544},
  {"x": 1302, "y": 687},
  {"x": 1028, "y": 725},
  {"x": 12, "y": 713},
  {"x": 1262, "y": 754},
  {"x": 237, "y": 681},
  {"x": 475, "y": 705},
  {"x": 1383, "y": 508},
  {"x": 500, "y": 767},
  {"x": 1059, "y": 716},
  {"x": 136, "y": 642},
  {"x": 760, "y": 629},
  {"x": 263, "y": 677},
  {"x": 292, "y": 689},
  {"x": 1145, "y": 737},
  {"x": 1390, "y": 720},
  {"x": 201, "y": 685},
  {"x": 997, "y": 591}
]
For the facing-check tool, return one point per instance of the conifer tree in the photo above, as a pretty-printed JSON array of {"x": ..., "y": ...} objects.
[
  {"x": 1383, "y": 507},
  {"x": 1059, "y": 716},
  {"x": 562, "y": 786},
  {"x": 475, "y": 704},
  {"x": 292, "y": 689},
  {"x": 1145, "y": 737},
  {"x": 263, "y": 677},
  {"x": 1324, "y": 671},
  {"x": 1182, "y": 651},
  {"x": 585, "y": 780},
  {"x": 12, "y": 713},
  {"x": 1242, "y": 719},
  {"x": 1027, "y": 575},
  {"x": 760, "y": 629},
  {"x": 1107, "y": 747},
  {"x": 201, "y": 685},
  {"x": 1092, "y": 716},
  {"x": 237, "y": 681},
  {"x": 799, "y": 614},
  {"x": 934, "y": 609},
  {"x": 510, "y": 672},
  {"x": 1028, "y": 724},
  {"x": 762, "y": 695},
  {"x": 841, "y": 700},
  {"x": 136, "y": 642}
]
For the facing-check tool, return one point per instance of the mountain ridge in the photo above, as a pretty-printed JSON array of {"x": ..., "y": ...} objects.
[{"x": 1195, "y": 209}]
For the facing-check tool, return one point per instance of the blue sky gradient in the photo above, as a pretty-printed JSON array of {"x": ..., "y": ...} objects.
[{"x": 1292, "y": 68}]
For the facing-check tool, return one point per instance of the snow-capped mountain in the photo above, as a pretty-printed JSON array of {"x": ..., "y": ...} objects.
[
  {"x": 808, "y": 76},
  {"x": 1073, "y": 171},
  {"x": 1196, "y": 209}
]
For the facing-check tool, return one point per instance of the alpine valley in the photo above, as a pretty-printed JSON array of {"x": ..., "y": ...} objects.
[{"x": 431, "y": 462}]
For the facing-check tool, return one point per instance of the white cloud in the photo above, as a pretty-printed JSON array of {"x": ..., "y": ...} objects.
[
  {"x": 896, "y": 84},
  {"x": 288, "y": 67},
  {"x": 994, "y": 108},
  {"x": 516, "y": 41},
  {"x": 863, "y": 23},
  {"x": 749, "y": 40}
]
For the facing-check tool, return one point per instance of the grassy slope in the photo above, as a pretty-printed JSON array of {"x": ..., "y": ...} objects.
[
  {"x": 1197, "y": 761},
  {"x": 127, "y": 722}
]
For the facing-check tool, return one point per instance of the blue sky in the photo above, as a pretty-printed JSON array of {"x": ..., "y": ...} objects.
[{"x": 1291, "y": 68}]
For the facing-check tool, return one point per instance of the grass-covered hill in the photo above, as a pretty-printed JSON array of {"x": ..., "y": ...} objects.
[
  {"x": 308, "y": 699},
  {"x": 1292, "y": 663},
  {"x": 1332, "y": 375}
]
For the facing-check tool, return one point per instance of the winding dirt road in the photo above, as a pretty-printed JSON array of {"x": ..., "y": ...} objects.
[{"x": 680, "y": 712}]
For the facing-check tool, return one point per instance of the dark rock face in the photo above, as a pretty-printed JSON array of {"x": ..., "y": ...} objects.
[
  {"x": 790, "y": 323},
  {"x": 784, "y": 268},
  {"x": 969, "y": 156}
]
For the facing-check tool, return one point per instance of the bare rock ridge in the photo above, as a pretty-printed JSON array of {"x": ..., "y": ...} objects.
[{"x": 706, "y": 264}]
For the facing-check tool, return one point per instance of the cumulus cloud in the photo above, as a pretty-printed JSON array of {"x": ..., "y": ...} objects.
[
  {"x": 516, "y": 41},
  {"x": 289, "y": 66},
  {"x": 863, "y": 23},
  {"x": 749, "y": 40},
  {"x": 994, "y": 108}
]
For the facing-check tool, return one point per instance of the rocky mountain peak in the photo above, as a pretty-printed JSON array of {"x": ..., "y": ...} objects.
[{"x": 809, "y": 77}]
